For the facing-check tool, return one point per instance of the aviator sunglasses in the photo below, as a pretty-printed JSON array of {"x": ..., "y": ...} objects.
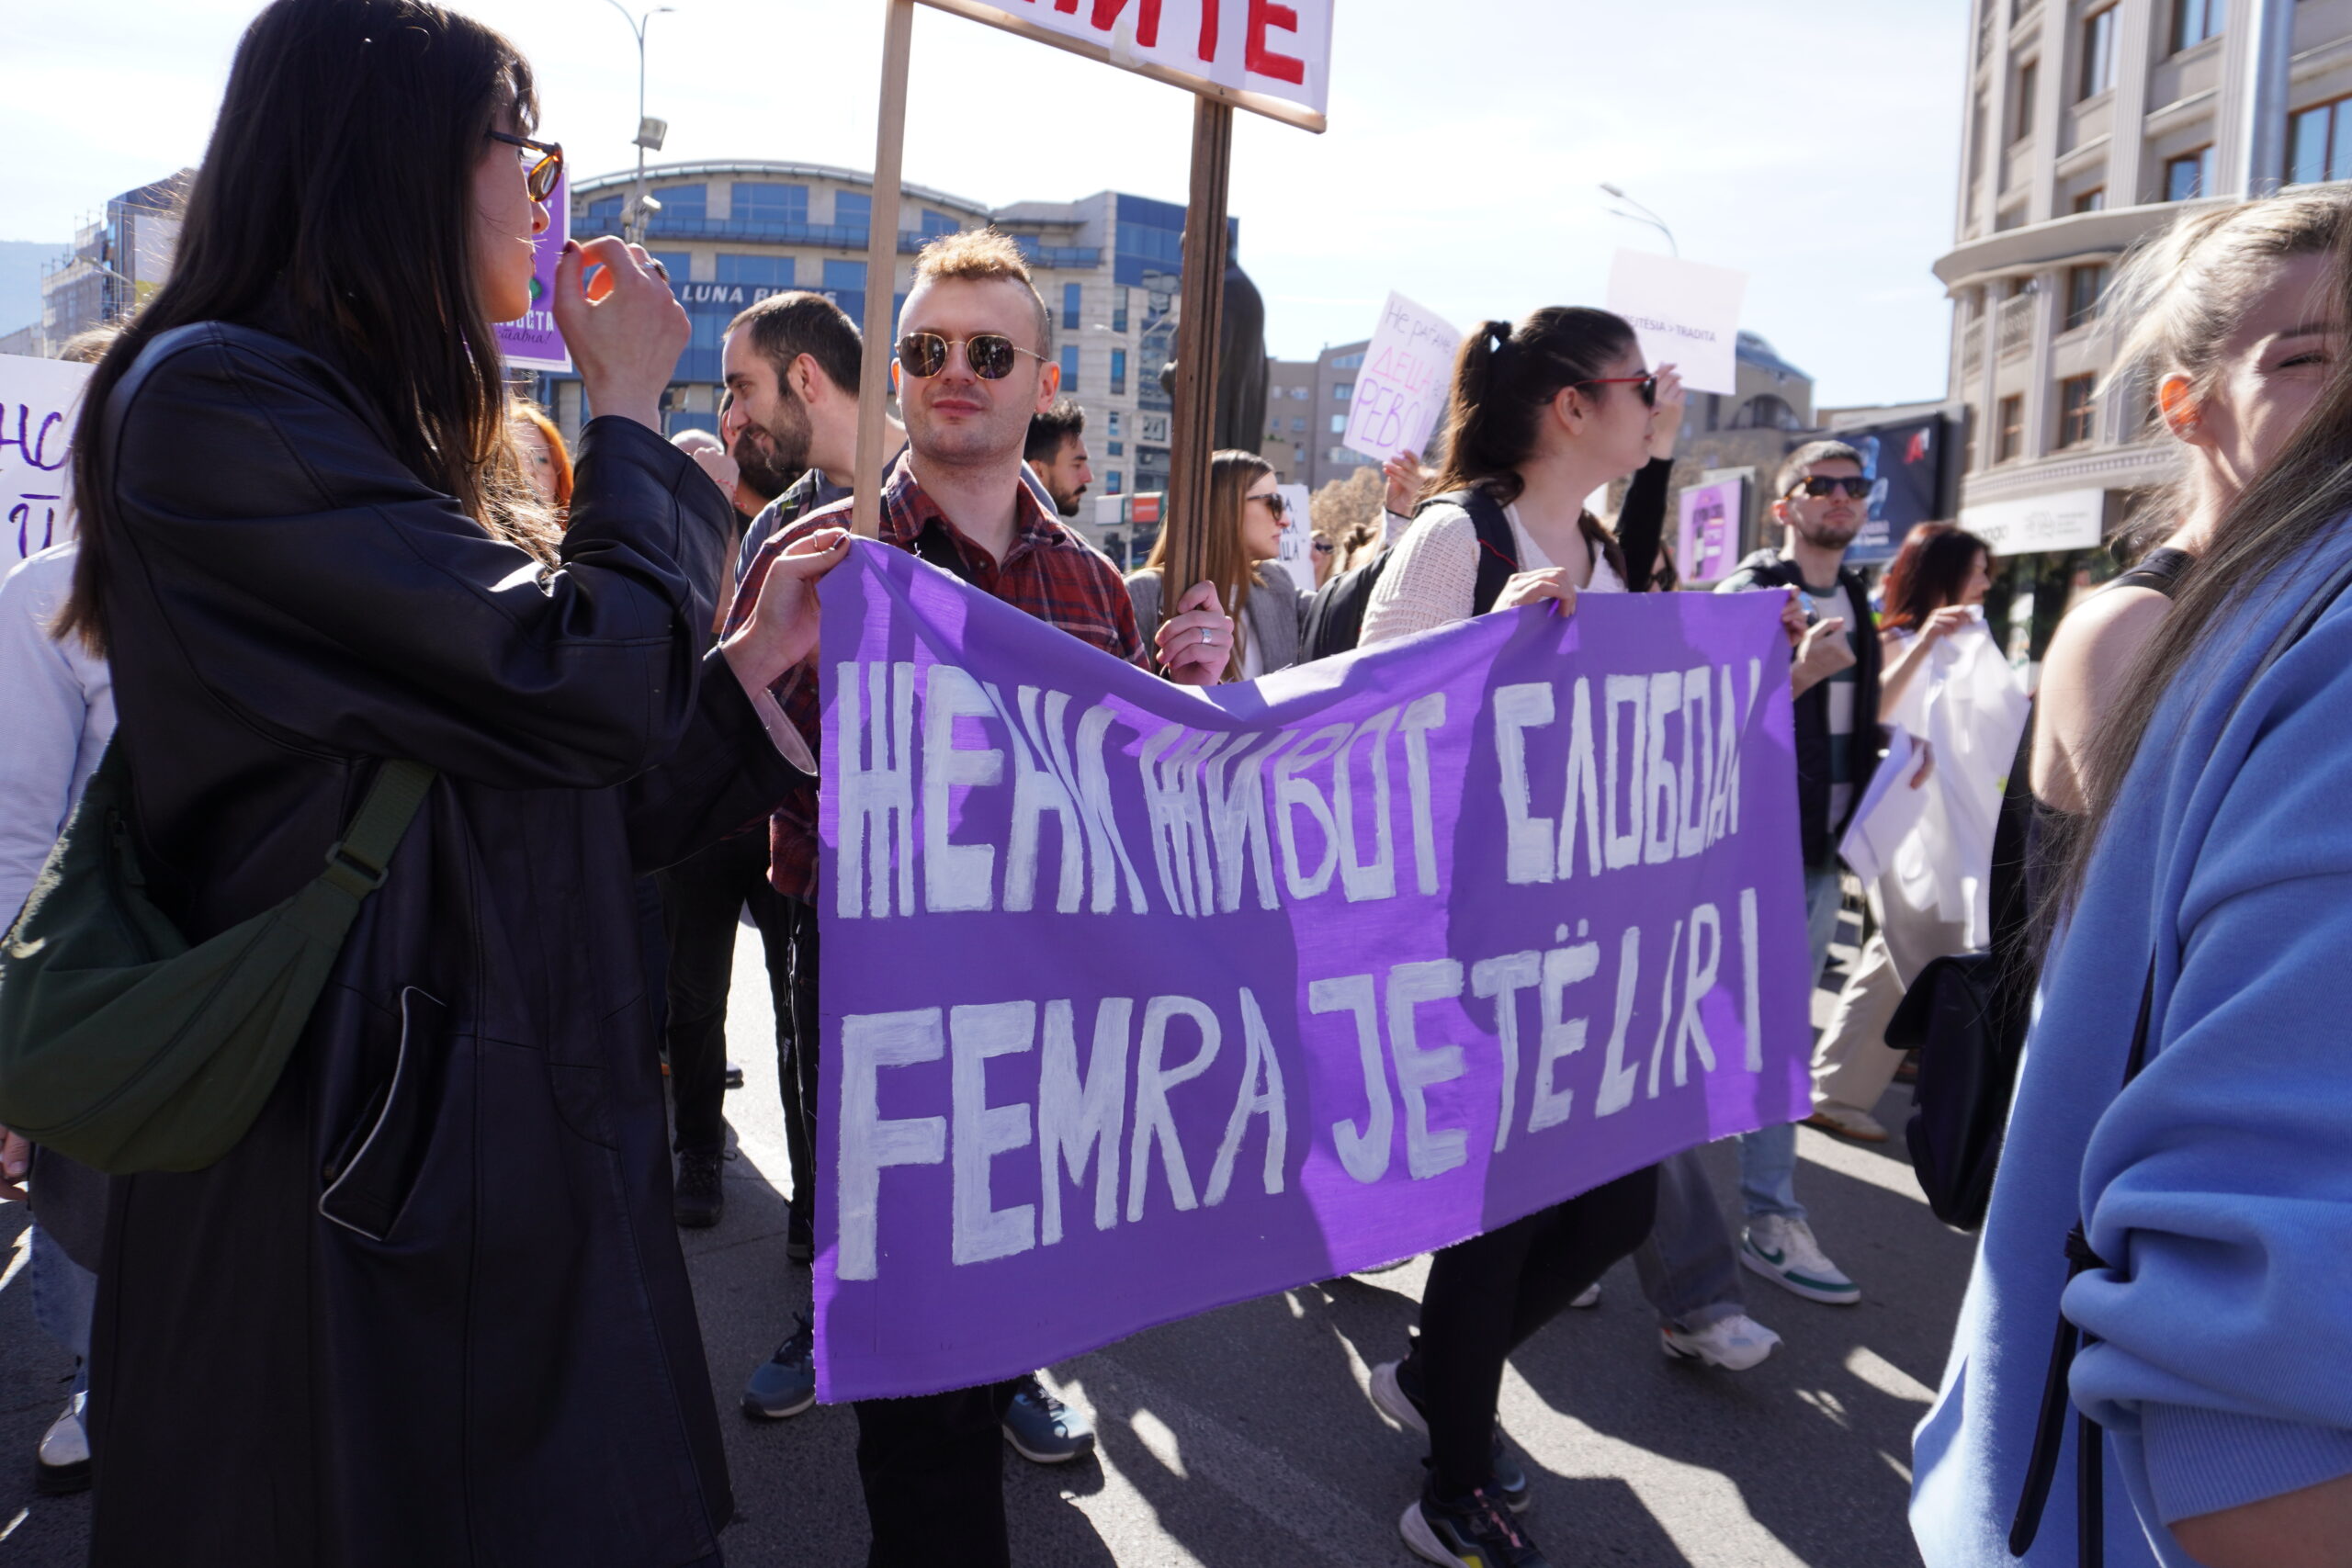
[
  {"x": 990, "y": 355},
  {"x": 1854, "y": 485},
  {"x": 540, "y": 177}
]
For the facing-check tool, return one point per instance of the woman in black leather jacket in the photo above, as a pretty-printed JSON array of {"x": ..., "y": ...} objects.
[{"x": 306, "y": 549}]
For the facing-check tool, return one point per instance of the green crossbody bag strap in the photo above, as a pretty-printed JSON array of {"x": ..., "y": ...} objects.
[{"x": 356, "y": 863}]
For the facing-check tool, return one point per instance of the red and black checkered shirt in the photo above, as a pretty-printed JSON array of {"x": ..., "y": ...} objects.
[{"x": 1049, "y": 573}]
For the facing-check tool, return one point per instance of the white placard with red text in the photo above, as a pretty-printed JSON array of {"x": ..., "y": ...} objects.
[{"x": 1275, "y": 51}]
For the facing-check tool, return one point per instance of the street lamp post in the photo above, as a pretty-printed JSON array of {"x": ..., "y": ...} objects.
[
  {"x": 649, "y": 132},
  {"x": 1640, "y": 215}
]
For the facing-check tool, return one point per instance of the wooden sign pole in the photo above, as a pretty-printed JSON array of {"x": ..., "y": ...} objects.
[
  {"x": 1199, "y": 332},
  {"x": 882, "y": 271}
]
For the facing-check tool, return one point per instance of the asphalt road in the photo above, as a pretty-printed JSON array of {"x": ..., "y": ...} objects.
[{"x": 1243, "y": 1437}]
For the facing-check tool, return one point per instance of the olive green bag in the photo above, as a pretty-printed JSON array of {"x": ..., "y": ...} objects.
[{"x": 125, "y": 1048}]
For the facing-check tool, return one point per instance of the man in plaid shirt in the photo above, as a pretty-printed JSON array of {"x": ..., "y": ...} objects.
[{"x": 970, "y": 380}]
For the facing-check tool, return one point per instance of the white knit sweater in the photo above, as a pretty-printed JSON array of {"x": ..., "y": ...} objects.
[{"x": 1432, "y": 579}]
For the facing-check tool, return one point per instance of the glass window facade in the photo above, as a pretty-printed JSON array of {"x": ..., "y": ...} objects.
[
  {"x": 852, "y": 209},
  {"x": 1073, "y": 298},
  {"x": 1070, "y": 367},
  {"x": 2188, "y": 175},
  {"x": 1118, "y": 372},
  {"x": 2194, "y": 21},
  {"x": 2099, "y": 53},
  {"x": 2077, "y": 410},
  {"x": 1348, "y": 362},
  {"x": 766, "y": 272},
  {"x": 2084, "y": 287},
  {"x": 686, "y": 210},
  {"x": 761, "y": 206},
  {"x": 2319, "y": 143}
]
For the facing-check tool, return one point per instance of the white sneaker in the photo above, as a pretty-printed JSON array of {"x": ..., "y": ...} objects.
[
  {"x": 1846, "y": 1122},
  {"x": 1783, "y": 1251},
  {"x": 1734, "y": 1343},
  {"x": 1589, "y": 1297},
  {"x": 62, "y": 1464}
]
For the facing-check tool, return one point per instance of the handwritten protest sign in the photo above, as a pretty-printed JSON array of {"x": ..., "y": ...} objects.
[
  {"x": 532, "y": 343},
  {"x": 1299, "y": 536},
  {"x": 1408, "y": 369},
  {"x": 1137, "y": 1000},
  {"x": 1686, "y": 313},
  {"x": 1707, "y": 541},
  {"x": 1271, "y": 58},
  {"x": 40, "y": 402}
]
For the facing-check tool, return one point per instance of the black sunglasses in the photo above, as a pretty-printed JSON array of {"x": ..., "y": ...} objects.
[
  {"x": 1273, "y": 500},
  {"x": 1644, "y": 385},
  {"x": 1856, "y": 487},
  {"x": 992, "y": 356},
  {"x": 540, "y": 177}
]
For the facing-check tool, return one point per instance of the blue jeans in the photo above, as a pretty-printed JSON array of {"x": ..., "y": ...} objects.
[
  {"x": 1768, "y": 1158},
  {"x": 63, "y": 1293},
  {"x": 1689, "y": 1265}
]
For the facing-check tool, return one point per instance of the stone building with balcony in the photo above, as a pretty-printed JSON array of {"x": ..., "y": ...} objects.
[
  {"x": 2089, "y": 124},
  {"x": 732, "y": 234}
]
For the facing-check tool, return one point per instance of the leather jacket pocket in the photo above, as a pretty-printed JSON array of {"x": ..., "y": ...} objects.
[{"x": 375, "y": 1168}]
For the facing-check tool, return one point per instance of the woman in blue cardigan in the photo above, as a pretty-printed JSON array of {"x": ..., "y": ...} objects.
[{"x": 2211, "y": 869}]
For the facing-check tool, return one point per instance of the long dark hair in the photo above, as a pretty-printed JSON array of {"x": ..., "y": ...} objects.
[
  {"x": 1504, "y": 379},
  {"x": 336, "y": 200},
  {"x": 1928, "y": 573}
]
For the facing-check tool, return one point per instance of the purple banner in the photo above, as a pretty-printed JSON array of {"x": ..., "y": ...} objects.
[
  {"x": 1138, "y": 1001},
  {"x": 531, "y": 342}
]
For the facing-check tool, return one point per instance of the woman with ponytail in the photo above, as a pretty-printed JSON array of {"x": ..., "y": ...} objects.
[
  {"x": 2175, "y": 1195},
  {"x": 1542, "y": 414}
]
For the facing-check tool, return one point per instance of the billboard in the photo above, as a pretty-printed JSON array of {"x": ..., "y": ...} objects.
[{"x": 1906, "y": 460}]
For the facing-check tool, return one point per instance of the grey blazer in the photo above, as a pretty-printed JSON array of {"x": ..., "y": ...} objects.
[{"x": 1276, "y": 613}]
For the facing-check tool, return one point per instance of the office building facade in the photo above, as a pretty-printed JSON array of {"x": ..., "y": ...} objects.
[
  {"x": 2090, "y": 125},
  {"x": 118, "y": 261},
  {"x": 732, "y": 234}
]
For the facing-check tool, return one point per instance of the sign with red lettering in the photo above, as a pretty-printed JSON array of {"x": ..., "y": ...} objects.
[
  {"x": 1268, "y": 56},
  {"x": 1407, "y": 370}
]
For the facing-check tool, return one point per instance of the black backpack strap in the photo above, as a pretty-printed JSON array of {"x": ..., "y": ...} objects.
[
  {"x": 1498, "y": 550},
  {"x": 931, "y": 544},
  {"x": 357, "y": 861},
  {"x": 2049, "y": 1427}
]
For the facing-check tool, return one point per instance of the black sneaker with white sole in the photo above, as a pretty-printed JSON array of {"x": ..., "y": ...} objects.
[
  {"x": 1477, "y": 1531},
  {"x": 1396, "y": 1394}
]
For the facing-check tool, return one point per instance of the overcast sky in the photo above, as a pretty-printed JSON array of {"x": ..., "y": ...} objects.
[{"x": 1812, "y": 142}]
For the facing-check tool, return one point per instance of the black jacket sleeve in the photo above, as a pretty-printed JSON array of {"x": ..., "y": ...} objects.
[
  {"x": 1641, "y": 522},
  {"x": 725, "y": 776},
  {"x": 339, "y": 605}
]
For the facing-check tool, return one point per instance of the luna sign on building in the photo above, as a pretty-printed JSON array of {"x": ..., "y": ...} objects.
[{"x": 1138, "y": 1001}]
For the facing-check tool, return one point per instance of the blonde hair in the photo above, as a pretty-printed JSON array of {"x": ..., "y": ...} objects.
[
  {"x": 2188, "y": 289},
  {"x": 2180, "y": 292},
  {"x": 983, "y": 256}
]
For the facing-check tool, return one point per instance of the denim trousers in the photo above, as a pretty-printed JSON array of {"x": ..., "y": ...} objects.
[
  {"x": 63, "y": 1293},
  {"x": 1689, "y": 1265}
]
